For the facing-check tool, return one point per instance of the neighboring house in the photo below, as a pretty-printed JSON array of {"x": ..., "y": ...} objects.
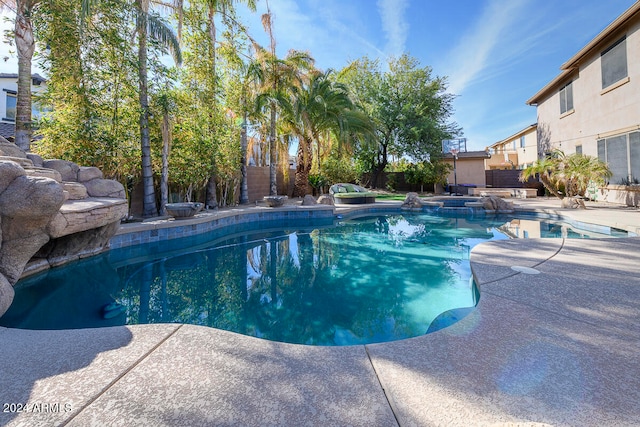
[
  {"x": 515, "y": 152},
  {"x": 593, "y": 106},
  {"x": 9, "y": 86}
]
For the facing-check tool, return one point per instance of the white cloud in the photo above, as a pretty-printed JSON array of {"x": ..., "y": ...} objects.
[
  {"x": 394, "y": 24},
  {"x": 474, "y": 51},
  {"x": 333, "y": 31}
]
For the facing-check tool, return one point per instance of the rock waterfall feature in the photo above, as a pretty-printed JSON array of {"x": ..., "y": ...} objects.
[{"x": 51, "y": 212}]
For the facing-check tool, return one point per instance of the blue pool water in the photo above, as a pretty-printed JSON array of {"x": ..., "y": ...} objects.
[{"x": 364, "y": 280}]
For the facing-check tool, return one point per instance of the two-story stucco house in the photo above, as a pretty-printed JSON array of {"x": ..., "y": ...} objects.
[
  {"x": 9, "y": 87},
  {"x": 593, "y": 106},
  {"x": 515, "y": 152}
]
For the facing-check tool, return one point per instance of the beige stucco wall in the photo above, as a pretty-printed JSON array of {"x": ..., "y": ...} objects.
[
  {"x": 596, "y": 112},
  {"x": 528, "y": 154},
  {"x": 468, "y": 171}
]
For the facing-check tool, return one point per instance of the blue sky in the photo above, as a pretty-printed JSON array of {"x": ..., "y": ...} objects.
[{"x": 495, "y": 53}]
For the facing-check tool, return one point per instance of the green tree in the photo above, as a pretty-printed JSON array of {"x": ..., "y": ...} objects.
[
  {"x": 418, "y": 174},
  {"x": 226, "y": 8},
  {"x": 427, "y": 173},
  {"x": 240, "y": 91},
  {"x": 339, "y": 167},
  {"x": 91, "y": 90},
  {"x": 409, "y": 107}
]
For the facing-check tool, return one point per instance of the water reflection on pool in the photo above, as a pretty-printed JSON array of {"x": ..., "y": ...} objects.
[{"x": 369, "y": 279}]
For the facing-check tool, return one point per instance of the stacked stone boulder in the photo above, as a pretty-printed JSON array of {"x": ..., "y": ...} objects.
[
  {"x": 326, "y": 199},
  {"x": 412, "y": 201},
  {"x": 51, "y": 212},
  {"x": 309, "y": 200},
  {"x": 496, "y": 204},
  {"x": 572, "y": 203}
]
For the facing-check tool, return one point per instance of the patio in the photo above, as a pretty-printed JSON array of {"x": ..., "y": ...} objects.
[{"x": 555, "y": 348}]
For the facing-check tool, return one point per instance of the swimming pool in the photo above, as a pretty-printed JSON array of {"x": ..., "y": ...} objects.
[{"x": 370, "y": 279}]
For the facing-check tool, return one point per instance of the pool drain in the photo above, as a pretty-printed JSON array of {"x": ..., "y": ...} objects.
[{"x": 524, "y": 270}]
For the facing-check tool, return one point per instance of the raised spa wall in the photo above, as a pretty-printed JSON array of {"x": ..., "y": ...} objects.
[{"x": 51, "y": 212}]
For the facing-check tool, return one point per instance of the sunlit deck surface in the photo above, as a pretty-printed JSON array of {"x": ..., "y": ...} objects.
[{"x": 556, "y": 348}]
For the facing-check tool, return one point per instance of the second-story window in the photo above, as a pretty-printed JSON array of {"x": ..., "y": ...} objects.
[
  {"x": 566, "y": 98},
  {"x": 522, "y": 141},
  {"x": 614, "y": 63}
]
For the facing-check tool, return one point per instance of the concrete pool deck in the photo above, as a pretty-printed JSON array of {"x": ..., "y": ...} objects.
[{"x": 556, "y": 348}]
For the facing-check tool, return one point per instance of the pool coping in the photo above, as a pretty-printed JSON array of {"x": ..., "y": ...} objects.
[
  {"x": 567, "y": 355},
  {"x": 167, "y": 228}
]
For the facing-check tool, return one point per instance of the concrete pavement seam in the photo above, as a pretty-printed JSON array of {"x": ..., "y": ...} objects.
[
  {"x": 119, "y": 377},
  {"x": 386, "y": 396}
]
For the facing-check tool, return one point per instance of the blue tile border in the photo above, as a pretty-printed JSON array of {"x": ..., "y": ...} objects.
[{"x": 179, "y": 230}]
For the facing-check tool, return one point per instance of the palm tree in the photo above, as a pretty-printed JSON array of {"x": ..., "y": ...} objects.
[
  {"x": 547, "y": 169},
  {"x": 320, "y": 109},
  {"x": 166, "y": 105},
  {"x": 224, "y": 7},
  {"x": 248, "y": 74},
  {"x": 567, "y": 176},
  {"x": 147, "y": 25},
  {"x": 580, "y": 170},
  {"x": 277, "y": 78}
]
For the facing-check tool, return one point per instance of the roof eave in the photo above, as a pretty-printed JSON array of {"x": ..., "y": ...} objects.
[
  {"x": 602, "y": 36},
  {"x": 548, "y": 87},
  {"x": 514, "y": 136},
  {"x": 572, "y": 64}
]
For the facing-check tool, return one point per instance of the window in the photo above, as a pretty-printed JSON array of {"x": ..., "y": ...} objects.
[
  {"x": 10, "y": 105},
  {"x": 579, "y": 149},
  {"x": 622, "y": 154},
  {"x": 614, "y": 63},
  {"x": 522, "y": 141},
  {"x": 566, "y": 98}
]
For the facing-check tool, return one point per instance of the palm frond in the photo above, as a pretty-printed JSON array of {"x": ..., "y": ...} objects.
[{"x": 158, "y": 30}]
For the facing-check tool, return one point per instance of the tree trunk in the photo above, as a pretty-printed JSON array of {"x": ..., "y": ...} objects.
[
  {"x": 547, "y": 184},
  {"x": 164, "y": 179},
  {"x": 212, "y": 197},
  {"x": 244, "y": 190},
  {"x": 303, "y": 168},
  {"x": 149, "y": 207},
  {"x": 380, "y": 164},
  {"x": 273, "y": 161},
  {"x": 375, "y": 174},
  {"x": 25, "y": 45}
]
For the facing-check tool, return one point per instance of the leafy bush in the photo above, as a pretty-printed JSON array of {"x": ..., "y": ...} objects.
[{"x": 337, "y": 170}]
